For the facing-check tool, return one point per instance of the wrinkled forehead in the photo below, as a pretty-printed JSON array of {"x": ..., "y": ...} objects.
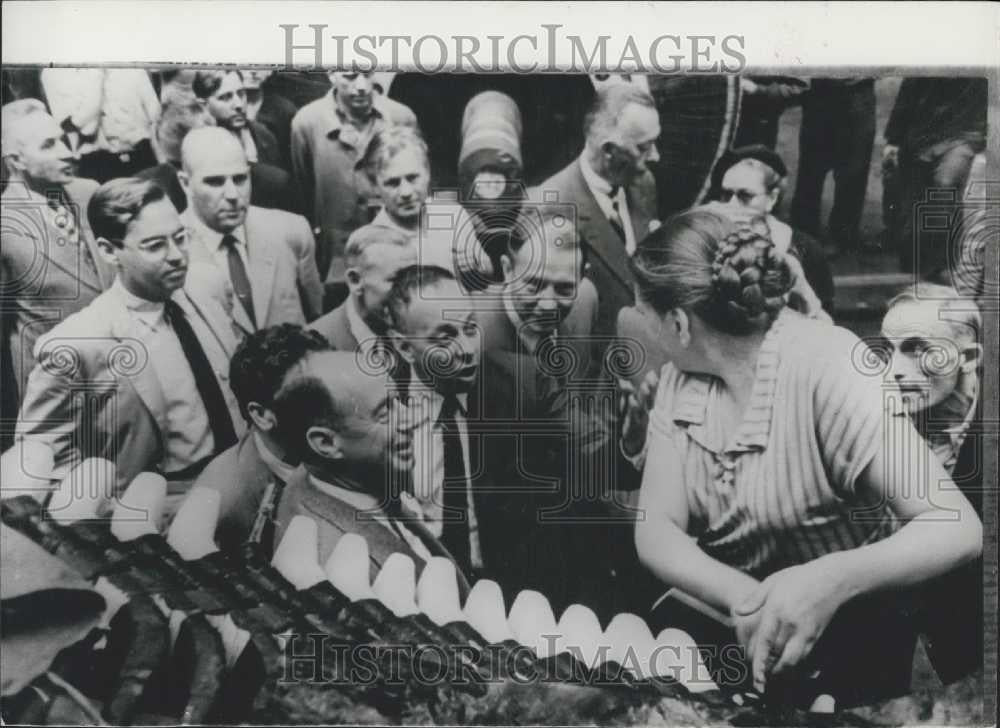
[{"x": 926, "y": 320}]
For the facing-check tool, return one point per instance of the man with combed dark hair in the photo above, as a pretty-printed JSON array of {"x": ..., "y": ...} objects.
[
  {"x": 354, "y": 438},
  {"x": 614, "y": 192},
  {"x": 250, "y": 475},
  {"x": 49, "y": 263},
  {"x": 150, "y": 357},
  {"x": 223, "y": 95},
  {"x": 329, "y": 136}
]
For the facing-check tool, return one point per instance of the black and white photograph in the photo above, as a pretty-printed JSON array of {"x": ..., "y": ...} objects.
[{"x": 499, "y": 363}]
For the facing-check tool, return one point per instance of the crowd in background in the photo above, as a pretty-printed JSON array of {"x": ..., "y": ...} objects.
[{"x": 245, "y": 282}]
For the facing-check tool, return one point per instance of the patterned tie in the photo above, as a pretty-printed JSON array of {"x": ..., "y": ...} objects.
[
  {"x": 219, "y": 418},
  {"x": 455, "y": 528},
  {"x": 615, "y": 218},
  {"x": 238, "y": 276}
]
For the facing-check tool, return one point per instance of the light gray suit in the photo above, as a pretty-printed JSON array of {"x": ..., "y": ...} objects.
[
  {"x": 94, "y": 392},
  {"x": 44, "y": 275},
  {"x": 284, "y": 280}
]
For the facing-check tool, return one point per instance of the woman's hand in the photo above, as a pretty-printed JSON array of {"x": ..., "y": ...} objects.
[{"x": 780, "y": 622}]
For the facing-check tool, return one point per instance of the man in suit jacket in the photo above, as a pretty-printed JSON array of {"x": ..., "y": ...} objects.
[
  {"x": 354, "y": 438},
  {"x": 536, "y": 330},
  {"x": 251, "y": 475},
  {"x": 265, "y": 257},
  {"x": 149, "y": 358},
  {"x": 614, "y": 193},
  {"x": 49, "y": 263},
  {"x": 374, "y": 255},
  {"x": 329, "y": 137}
]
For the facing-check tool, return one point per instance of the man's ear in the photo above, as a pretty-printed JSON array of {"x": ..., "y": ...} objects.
[
  {"x": 324, "y": 442},
  {"x": 507, "y": 267},
  {"x": 401, "y": 345},
  {"x": 108, "y": 251},
  {"x": 353, "y": 276},
  {"x": 772, "y": 198},
  {"x": 972, "y": 356},
  {"x": 185, "y": 180},
  {"x": 12, "y": 161},
  {"x": 263, "y": 419}
]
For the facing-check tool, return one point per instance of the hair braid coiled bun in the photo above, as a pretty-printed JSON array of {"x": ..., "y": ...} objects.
[{"x": 749, "y": 281}]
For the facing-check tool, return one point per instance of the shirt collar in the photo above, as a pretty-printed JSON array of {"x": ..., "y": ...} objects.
[
  {"x": 150, "y": 312},
  {"x": 340, "y": 488},
  {"x": 755, "y": 428},
  {"x": 382, "y": 219},
  {"x": 336, "y": 120},
  {"x": 213, "y": 238},
  {"x": 429, "y": 402},
  {"x": 356, "y": 323},
  {"x": 597, "y": 184}
]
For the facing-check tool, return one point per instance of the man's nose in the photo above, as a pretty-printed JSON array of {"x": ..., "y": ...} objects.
[
  {"x": 654, "y": 154},
  {"x": 230, "y": 190},
  {"x": 405, "y": 190},
  {"x": 900, "y": 367},
  {"x": 63, "y": 151},
  {"x": 362, "y": 84}
]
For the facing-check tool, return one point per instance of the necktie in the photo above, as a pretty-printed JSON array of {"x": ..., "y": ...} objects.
[
  {"x": 219, "y": 418},
  {"x": 455, "y": 516},
  {"x": 615, "y": 218},
  {"x": 238, "y": 276}
]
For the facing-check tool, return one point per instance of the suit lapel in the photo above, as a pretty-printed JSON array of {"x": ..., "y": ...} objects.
[
  {"x": 263, "y": 264},
  {"x": 603, "y": 243},
  {"x": 145, "y": 382}
]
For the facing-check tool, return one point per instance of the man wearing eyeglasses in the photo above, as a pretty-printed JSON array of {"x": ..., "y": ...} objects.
[{"x": 140, "y": 375}]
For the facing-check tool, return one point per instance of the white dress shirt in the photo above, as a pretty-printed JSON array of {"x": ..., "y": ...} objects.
[
  {"x": 600, "y": 188},
  {"x": 428, "y": 462},
  {"x": 188, "y": 437},
  {"x": 212, "y": 240}
]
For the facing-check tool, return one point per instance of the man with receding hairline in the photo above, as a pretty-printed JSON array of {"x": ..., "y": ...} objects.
[
  {"x": 265, "y": 258},
  {"x": 354, "y": 438},
  {"x": 50, "y": 266},
  {"x": 614, "y": 192}
]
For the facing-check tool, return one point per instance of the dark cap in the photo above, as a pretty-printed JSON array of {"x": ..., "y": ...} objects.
[{"x": 731, "y": 157}]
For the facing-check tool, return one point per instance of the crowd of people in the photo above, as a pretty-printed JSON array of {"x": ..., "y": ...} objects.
[{"x": 242, "y": 281}]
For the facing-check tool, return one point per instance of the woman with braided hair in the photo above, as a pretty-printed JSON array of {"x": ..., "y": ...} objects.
[{"x": 775, "y": 486}]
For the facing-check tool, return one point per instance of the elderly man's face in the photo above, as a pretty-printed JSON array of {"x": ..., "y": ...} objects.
[
  {"x": 228, "y": 105},
  {"x": 376, "y": 431},
  {"x": 634, "y": 148},
  {"x": 219, "y": 186},
  {"x": 541, "y": 278},
  {"x": 403, "y": 183},
  {"x": 40, "y": 154},
  {"x": 928, "y": 354},
  {"x": 354, "y": 91},
  {"x": 371, "y": 280}
]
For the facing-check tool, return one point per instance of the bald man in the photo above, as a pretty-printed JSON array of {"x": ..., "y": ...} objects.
[
  {"x": 264, "y": 260},
  {"x": 354, "y": 438}
]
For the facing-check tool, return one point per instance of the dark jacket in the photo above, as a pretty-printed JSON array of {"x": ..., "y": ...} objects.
[{"x": 932, "y": 110}]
